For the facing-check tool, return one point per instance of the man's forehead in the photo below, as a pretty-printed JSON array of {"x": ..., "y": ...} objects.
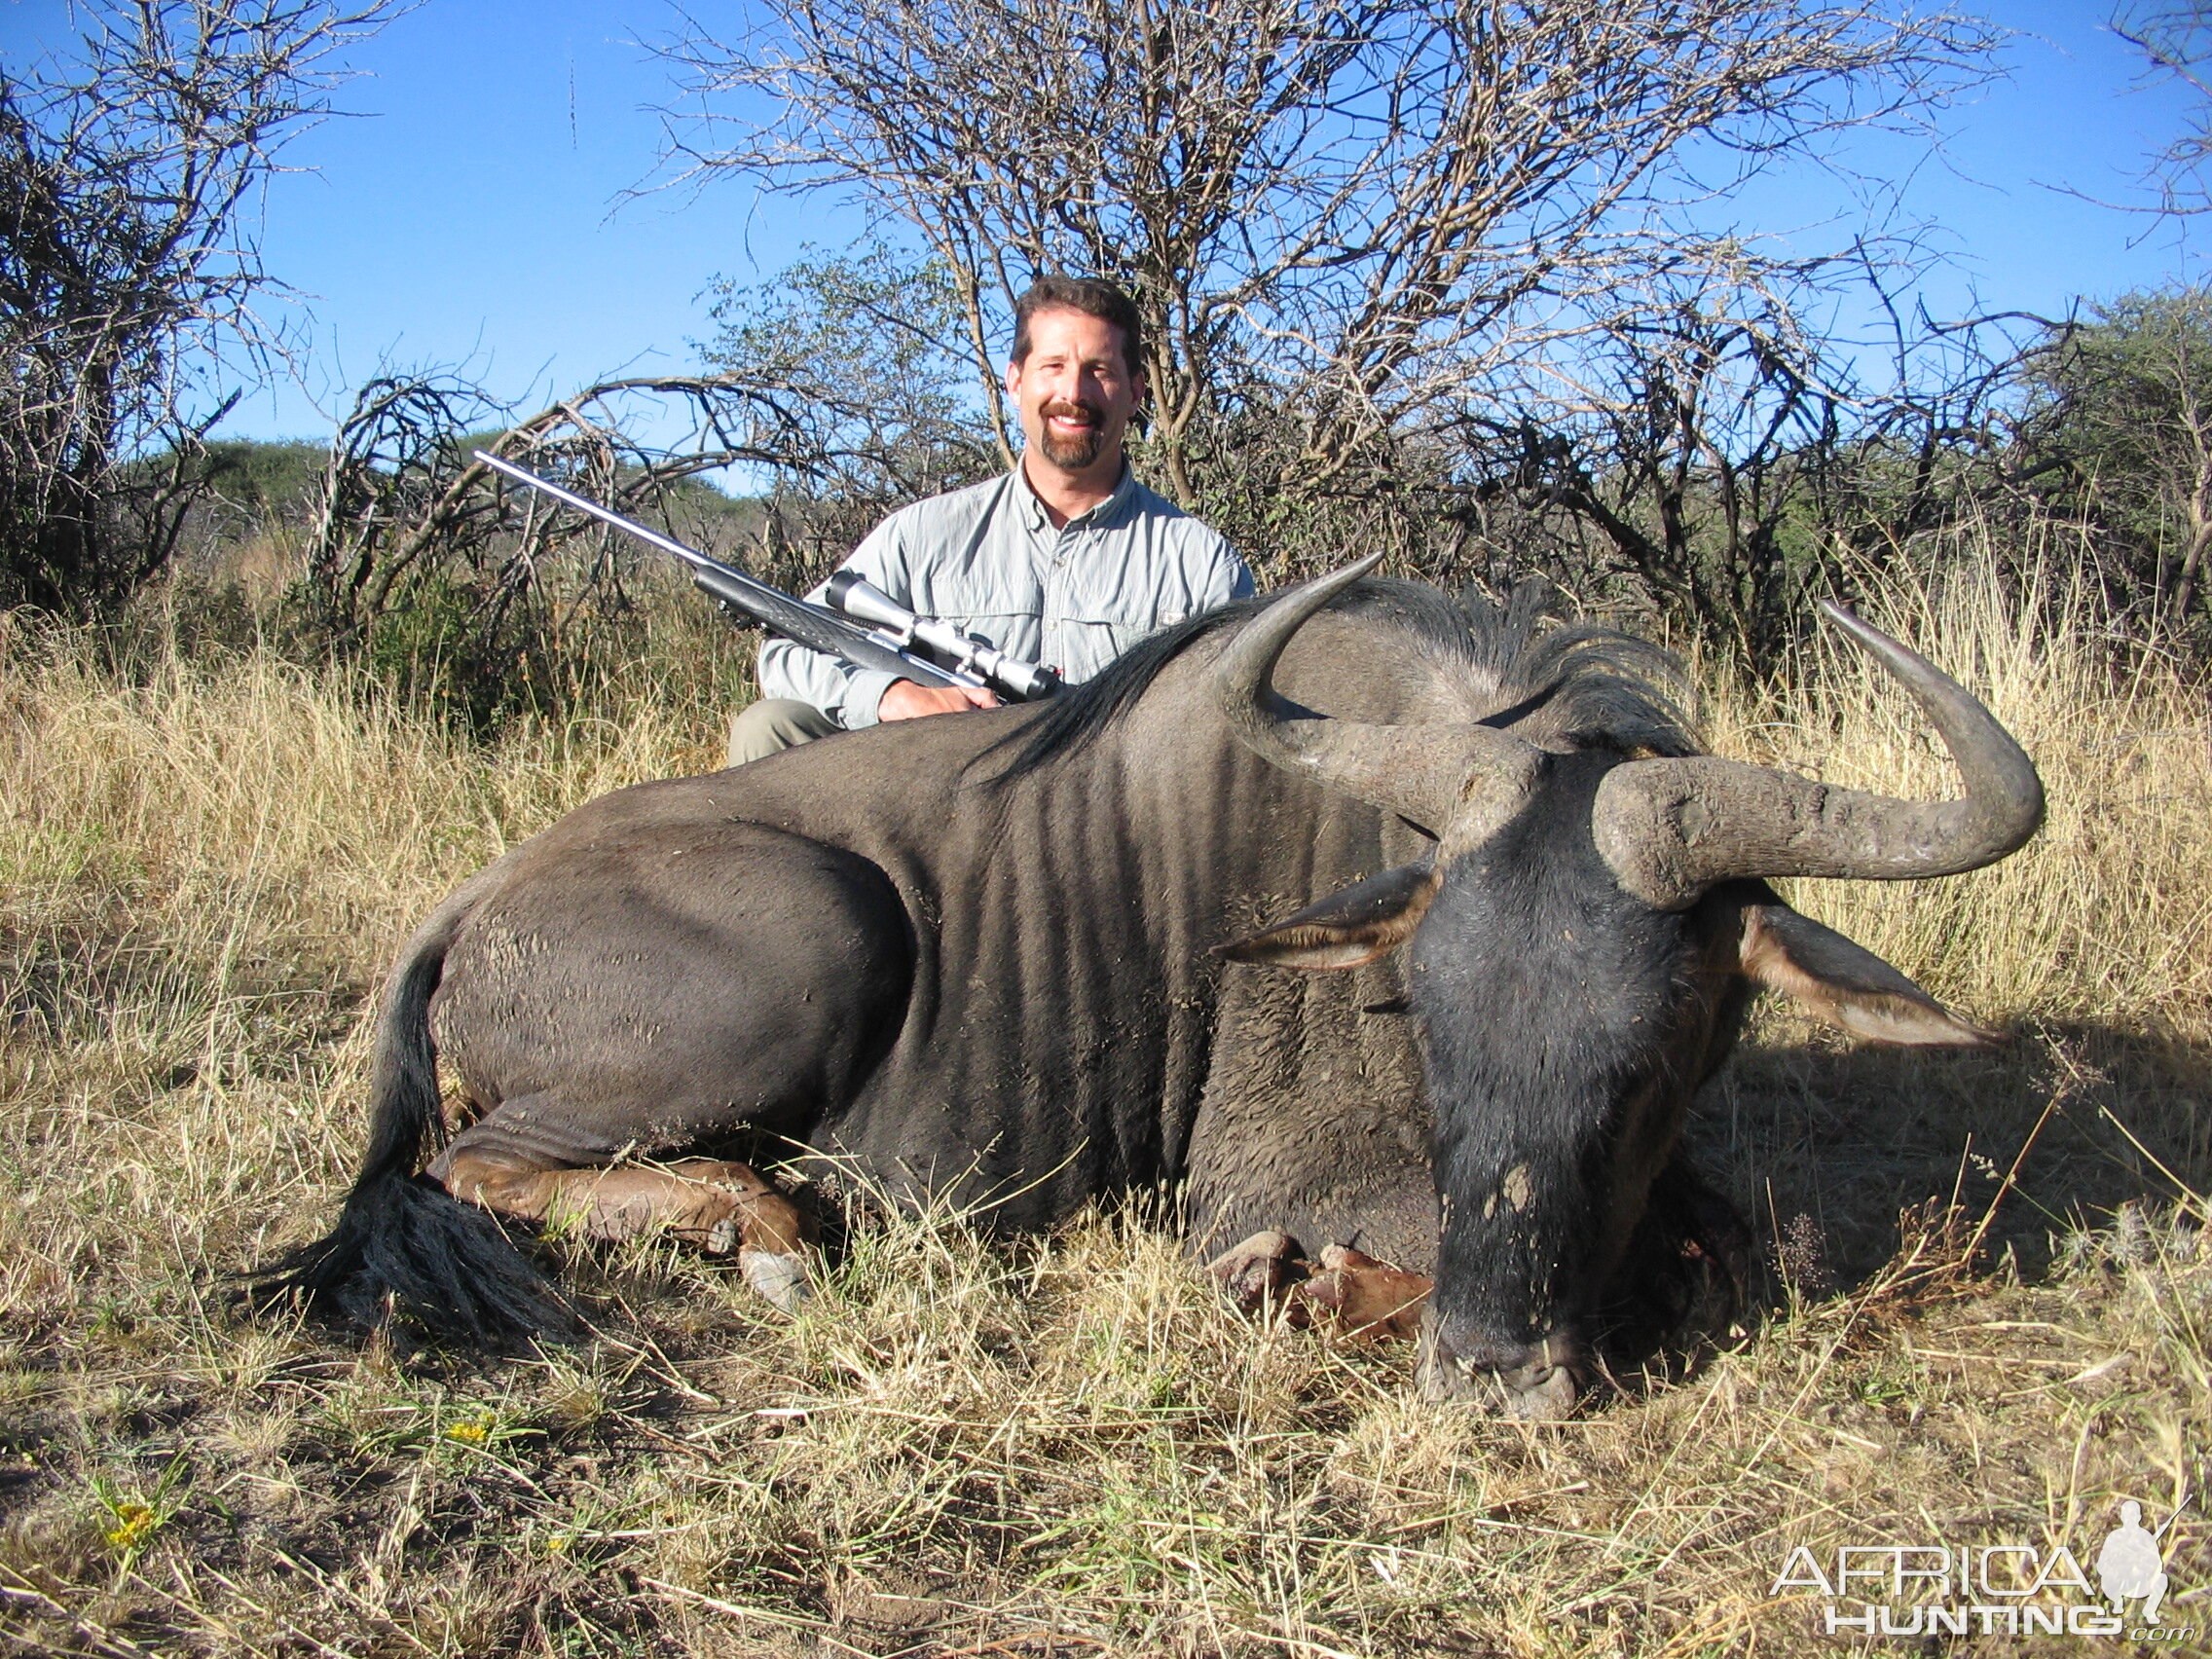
[{"x": 1064, "y": 329}]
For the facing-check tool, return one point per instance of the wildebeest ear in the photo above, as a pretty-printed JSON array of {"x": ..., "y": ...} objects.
[
  {"x": 1348, "y": 929},
  {"x": 1847, "y": 985}
]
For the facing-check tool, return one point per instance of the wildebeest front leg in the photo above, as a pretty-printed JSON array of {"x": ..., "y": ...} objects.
[
  {"x": 716, "y": 1205},
  {"x": 1257, "y": 1272},
  {"x": 1362, "y": 1296}
]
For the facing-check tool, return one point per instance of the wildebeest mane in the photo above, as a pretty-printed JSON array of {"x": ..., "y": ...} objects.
[
  {"x": 1562, "y": 684},
  {"x": 1080, "y": 714},
  {"x": 1576, "y": 684}
]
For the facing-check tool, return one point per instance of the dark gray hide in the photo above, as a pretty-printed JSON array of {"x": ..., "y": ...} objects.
[
  {"x": 1018, "y": 988},
  {"x": 861, "y": 945}
]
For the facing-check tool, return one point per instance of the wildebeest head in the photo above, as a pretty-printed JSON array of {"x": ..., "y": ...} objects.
[{"x": 1581, "y": 938}]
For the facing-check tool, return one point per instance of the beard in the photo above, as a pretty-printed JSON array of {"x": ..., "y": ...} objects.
[{"x": 1078, "y": 452}]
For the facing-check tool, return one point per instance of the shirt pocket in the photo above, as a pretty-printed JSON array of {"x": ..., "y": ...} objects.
[{"x": 1089, "y": 636}]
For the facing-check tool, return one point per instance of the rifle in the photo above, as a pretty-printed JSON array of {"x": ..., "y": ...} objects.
[{"x": 969, "y": 659}]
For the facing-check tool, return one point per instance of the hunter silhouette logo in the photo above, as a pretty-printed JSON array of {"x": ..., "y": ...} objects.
[{"x": 2130, "y": 1566}]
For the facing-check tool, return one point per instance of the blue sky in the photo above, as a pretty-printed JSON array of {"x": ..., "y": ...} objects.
[{"x": 470, "y": 214}]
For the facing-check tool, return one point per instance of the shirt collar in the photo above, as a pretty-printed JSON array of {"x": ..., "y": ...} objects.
[{"x": 1103, "y": 516}]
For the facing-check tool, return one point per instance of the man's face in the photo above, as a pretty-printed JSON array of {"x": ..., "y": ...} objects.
[{"x": 1074, "y": 392}]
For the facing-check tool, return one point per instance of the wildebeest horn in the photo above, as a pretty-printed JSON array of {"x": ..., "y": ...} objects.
[
  {"x": 1435, "y": 775},
  {"x": 1670, "y": 829}
]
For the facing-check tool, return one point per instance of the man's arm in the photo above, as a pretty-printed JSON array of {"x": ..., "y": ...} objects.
[
  {"x": 850, "y": 696},
  {"x": 1231, "y": 578}
]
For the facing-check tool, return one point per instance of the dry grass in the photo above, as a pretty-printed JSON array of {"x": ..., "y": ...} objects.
[{"x": 961, "y": 1449}]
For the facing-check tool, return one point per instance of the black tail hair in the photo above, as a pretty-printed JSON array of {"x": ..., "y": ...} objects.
[{"x": 403, "y": 1244}]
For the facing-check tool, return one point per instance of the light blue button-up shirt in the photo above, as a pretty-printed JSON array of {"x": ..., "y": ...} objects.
[{"x": 989, "y": 560}]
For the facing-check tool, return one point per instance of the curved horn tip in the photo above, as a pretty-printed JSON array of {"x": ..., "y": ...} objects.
[
  {"x": 1891, "y": 651},
  {"x": 1847, "y": 619},
  {"x": 1332, "y": 582},
  {"x": 1254, "y": 650},
  {"x": 1858, "y": 629}
]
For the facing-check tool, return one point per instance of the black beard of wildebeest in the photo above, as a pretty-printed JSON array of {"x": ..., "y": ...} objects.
[{"x": 1358, "y": 916}]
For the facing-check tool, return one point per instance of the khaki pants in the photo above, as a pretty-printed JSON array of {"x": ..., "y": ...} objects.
[{"x": 774, "y": 724}]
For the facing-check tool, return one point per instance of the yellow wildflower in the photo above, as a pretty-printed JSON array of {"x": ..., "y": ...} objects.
[{"x": 132, "y": 1522}]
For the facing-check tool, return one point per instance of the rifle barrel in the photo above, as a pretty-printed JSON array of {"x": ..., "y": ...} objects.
[{"x": 810, "y": 625}]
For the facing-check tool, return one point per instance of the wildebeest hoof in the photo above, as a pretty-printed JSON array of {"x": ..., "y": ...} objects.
[
  {"x": 781, "y": 1278},
  {"x": 1366, "y": 1297},
  {"x": 1256, "y": 1272}
]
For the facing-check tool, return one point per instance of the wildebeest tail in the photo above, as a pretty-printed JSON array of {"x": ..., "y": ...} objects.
[{"x": 403, "y": 1244}]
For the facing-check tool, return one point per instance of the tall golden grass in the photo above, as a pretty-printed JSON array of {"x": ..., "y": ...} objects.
[{"x": 1069, "y": 1445}]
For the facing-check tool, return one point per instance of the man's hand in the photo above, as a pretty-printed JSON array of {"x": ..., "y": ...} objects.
[{"x": 907, "y": 701}]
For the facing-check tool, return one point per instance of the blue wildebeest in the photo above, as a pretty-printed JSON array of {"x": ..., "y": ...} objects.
[{"x": 1041, "y": 953}]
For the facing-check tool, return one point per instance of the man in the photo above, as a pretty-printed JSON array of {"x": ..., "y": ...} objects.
[{"x": 1066, "y": 561}]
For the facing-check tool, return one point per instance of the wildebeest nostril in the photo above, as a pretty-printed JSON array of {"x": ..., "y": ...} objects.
[{"x": 1534, "y": 1381}]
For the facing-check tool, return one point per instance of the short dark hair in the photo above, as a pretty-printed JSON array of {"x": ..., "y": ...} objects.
[{"x": 1093, "y": 297}]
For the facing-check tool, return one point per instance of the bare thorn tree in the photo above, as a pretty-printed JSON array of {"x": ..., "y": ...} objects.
[
  {"x": 1343, "y": 218},
  {"x": 128, "y": 171},
  {"x": 490, "y": 599},
  {"x": 404, "y": 502},
  {"x": 2176, "y": 43},
  {"x": 1725, "y": 455}
]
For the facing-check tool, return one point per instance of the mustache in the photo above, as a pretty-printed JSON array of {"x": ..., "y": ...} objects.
[{"x": 1067, "y": 409}]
